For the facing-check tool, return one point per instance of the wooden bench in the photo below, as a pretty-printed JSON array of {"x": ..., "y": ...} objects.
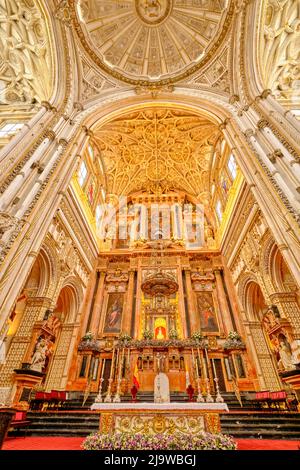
[{"x": 20, "y": 421}]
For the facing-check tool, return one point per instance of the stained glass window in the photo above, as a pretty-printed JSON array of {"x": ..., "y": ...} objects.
[
  {"x": 82, "y": 173},
  {"x": 232, "y": 166},
  {"x": 219, "y": 210}
]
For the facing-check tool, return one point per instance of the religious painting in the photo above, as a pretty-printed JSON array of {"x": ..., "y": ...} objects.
[
  {"x": 91, "y": 193},
  {"x": 114, "y": 311},
  {"x": 206, "y": 310}
]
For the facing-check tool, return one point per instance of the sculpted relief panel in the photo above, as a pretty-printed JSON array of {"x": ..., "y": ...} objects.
[{"x": 25, "y": 72}]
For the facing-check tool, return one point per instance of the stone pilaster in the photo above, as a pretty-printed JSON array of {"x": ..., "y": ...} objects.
[
  {"x": 223, "y": 304},
  {"x": 127, "y": 314}
]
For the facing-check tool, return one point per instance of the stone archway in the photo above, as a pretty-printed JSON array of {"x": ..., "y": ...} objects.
[{"x": 66, "y": 310}]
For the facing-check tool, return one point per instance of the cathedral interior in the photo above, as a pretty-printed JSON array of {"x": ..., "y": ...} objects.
[{"x": 150, "y": 196}]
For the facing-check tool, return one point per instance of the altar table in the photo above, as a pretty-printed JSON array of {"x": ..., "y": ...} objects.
[{"x": 159, "y": 418}]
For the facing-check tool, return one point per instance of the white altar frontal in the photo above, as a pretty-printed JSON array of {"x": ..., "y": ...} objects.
[{"x": 159, "y": 418}]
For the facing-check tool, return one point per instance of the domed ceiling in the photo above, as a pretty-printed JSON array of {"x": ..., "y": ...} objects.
[
  {"x": 158, "y": 149},
  {"x": 146, "y": 41}
]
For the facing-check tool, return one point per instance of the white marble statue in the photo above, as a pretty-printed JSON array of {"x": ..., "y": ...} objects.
[
  {"x": 161, "y": 388},
  {"x": 39, "y": 357}
]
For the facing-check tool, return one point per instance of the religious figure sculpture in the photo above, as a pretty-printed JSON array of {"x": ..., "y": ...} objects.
[
  {"x": 39, "y": 357},
  {"x": 152, "y": 8},
  {"x": 285, "y": 356}
]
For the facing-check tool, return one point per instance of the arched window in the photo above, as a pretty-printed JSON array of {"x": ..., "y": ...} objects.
[
  {"x": 91, "y": 152},
  {"x": 232, "y": 166},
  {"x": 98, "y": 215},
  {"x": 219, "y": 210},
  {"x": 82, "y": 173}
]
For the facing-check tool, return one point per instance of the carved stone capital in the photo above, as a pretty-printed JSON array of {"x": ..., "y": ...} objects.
[
  {"x": 233, "y": 99},
  {"x": 262, "y": 123}
]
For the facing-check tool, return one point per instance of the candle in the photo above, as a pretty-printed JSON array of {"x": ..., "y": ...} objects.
[
  {"x": 103, "y": 366},
  {"x": 203, "y": 366},
  {"x": 112, "y": 364},
  {"x": 121, "y": 363},
  {"x": 199, "y": 364},
  {"x": 214, "y": 369},
  {"x": 206, "y": 368},
  {"x": 117, "y": 363}
]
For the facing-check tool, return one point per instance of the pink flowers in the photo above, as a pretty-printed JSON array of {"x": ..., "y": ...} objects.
[{"x": 176, "y": 441}]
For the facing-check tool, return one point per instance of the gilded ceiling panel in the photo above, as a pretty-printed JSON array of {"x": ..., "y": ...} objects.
[
  {"x": 158, "y": 149},
  {"x": 145, "y": 40}
]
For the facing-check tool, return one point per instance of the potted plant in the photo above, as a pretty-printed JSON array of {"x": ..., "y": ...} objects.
[
  {"x": 148, "y": 335},
  {"x": 88, "y": 336},
  {"x": 173, "y": 334},
  {"x": 197, "y": 336}
]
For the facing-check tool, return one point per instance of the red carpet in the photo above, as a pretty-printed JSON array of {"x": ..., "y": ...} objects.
[{"x": 73, "y": 443}]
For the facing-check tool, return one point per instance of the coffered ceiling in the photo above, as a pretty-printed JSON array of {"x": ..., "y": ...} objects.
[{"x": 141, "y": 41}]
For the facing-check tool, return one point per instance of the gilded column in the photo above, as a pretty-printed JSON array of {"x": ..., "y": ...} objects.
[
  {"x": 127, "y": 314},
  {"x": 181, "y": 305},
  {"x": 225, "y": 317},
  {"x": 193, "y": 314},
  {"x": 88, "y": 301},
  {"x": 96, "y": 313}
]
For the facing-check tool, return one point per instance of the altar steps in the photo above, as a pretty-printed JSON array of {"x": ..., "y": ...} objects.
[
  {"x": 270, "y": 425},
  {"x": 60, "y": 424},
  {"x": 259, "y": 425},
  {"x": 76, "y": 403}
]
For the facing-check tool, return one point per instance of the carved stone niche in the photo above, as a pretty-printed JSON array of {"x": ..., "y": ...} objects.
[
  {"x": 148, "y": 359},
  {"x": 203, "y": 280},
  {"x": 281, "y": 341}
]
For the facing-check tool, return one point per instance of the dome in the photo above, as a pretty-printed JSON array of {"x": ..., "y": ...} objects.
[{"x": 146, "y": 41}]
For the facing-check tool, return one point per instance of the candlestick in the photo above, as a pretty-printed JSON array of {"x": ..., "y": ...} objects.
[
  {"x": 200, "y": 398},
  {"x": 209, "y": 398},
  {"x": 108, "y": 395},
  {"x": 219, "y": 398},
  {"x": 117, "y": 398},
  {"x": 98, "y": 398}
]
